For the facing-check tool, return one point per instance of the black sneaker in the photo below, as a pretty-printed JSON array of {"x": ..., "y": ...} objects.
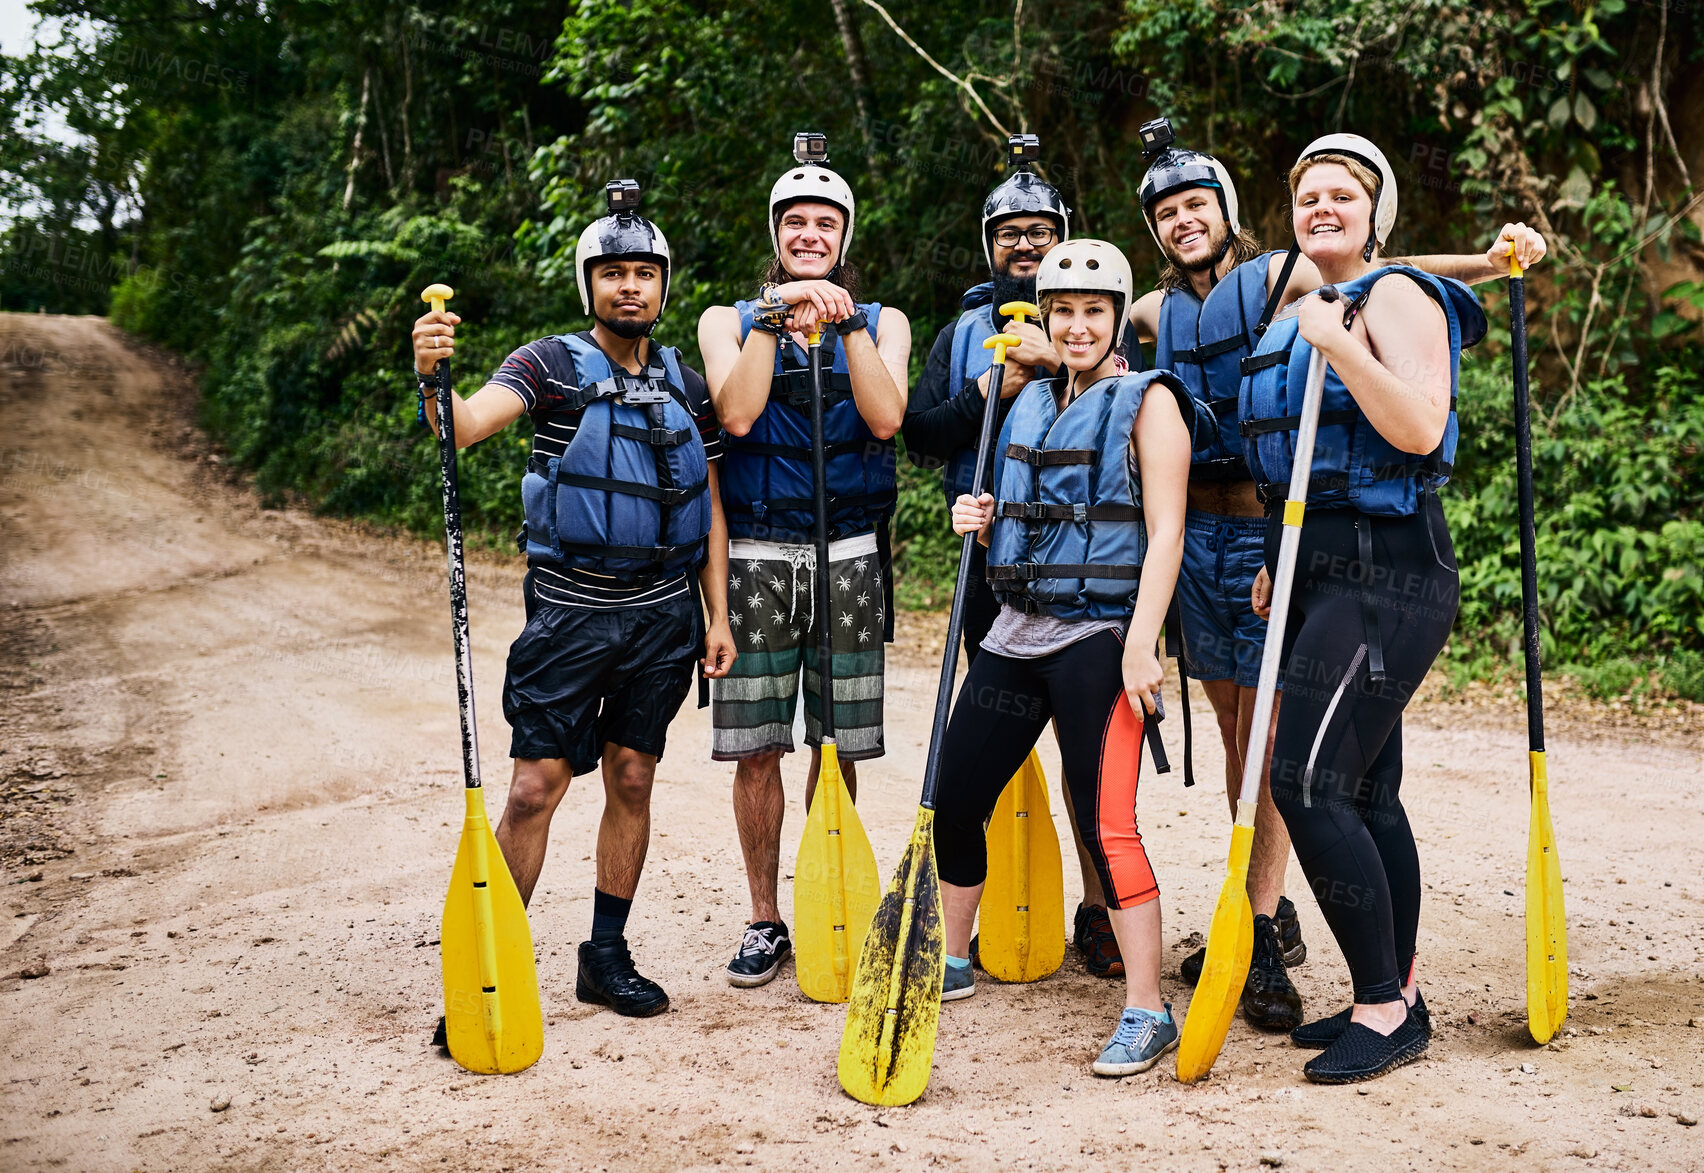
[
  {"x": 1269, "y": 1001},
  {"x": 1295, "y": 950},
  {"x": 762, "y": 950},
  {"x": 1322, "y": 1033},
  {"x": 1094, "y": 939},
  {"x": 607, "y": 978},
  {"x": 1361, "y": 1053},
  {"x": 976, "y": 952}
]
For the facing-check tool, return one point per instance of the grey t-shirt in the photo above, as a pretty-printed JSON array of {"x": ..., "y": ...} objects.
[{"x": 1030, "y": 637}]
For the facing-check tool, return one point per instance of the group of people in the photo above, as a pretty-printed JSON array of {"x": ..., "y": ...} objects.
[{"x": 670, "y": 525}]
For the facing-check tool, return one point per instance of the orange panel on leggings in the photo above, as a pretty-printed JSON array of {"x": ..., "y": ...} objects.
[{"x": 1115, "y": 809}]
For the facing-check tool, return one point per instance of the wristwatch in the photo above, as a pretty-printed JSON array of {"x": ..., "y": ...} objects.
[{"x": 858, "y": 321}]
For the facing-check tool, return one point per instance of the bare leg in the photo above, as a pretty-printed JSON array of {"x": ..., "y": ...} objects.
[
  {"x": 760, "y": 805},
  {"x": 535, "y": 791},
  {"x": 1233, "y": 706},
  {"x": 624, "y": 834},
  {"x": 958, "y": 908},
  {"x": 1138, "y": 933}
]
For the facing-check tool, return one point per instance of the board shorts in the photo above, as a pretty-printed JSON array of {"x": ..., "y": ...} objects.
[
  {"x": 579, "y": 678},
  {"x": 772, "y": 611},
  {"x": 1222, "y": 636}
]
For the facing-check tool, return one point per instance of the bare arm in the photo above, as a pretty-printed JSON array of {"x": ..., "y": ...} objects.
[
  {"x": 719, "y": 653},
  {"x": 484, "y": 413},
  {"x": 1162, "y": 454},
  {"x": 738, "y": 375},
  {"x": 878, "y": 371},
  {"x": 1395, "y": 362},
  {"x": 1145, "y": 315}
]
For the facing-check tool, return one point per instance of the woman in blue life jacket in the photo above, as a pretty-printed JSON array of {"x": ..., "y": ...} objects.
[
  {"x": 1085, "y": 536},
  {"x": 1376, "y": 586}
]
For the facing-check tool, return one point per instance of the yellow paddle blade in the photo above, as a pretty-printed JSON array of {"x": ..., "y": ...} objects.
[
  {"x": 1546, "y": 920},
  {"x": 1021, "y": 921},
  {"x": 492, "y": 1018},
  {"x": 836, "y": 888},
  {"x": 888, "y": 1046},
  {"x": 1230, "y": 945}
]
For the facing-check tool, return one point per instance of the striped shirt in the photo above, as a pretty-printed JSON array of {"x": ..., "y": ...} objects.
[{"x": 542, "y": 374}]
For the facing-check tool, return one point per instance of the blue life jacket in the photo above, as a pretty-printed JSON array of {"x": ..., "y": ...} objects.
[
  {"x": 767, "y": 490},
  {"x": 630, "y": 497},
  {"x": 1353, "y": 466},
  {"x": 1204, "y": 343},
  {"x": 1068, "y": 536}
]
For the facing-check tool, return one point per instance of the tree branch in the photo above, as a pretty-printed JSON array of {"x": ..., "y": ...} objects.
[{"x": 958, "y": 81}]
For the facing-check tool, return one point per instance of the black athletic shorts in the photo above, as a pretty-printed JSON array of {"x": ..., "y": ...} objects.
[{"x": 578, "y": 678}]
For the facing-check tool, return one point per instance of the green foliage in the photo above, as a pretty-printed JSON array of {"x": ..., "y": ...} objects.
[{"x": 265, "y": 188}]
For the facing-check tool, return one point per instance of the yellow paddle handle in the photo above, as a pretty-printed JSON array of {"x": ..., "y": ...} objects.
[
  {"x": 484, "y": 922},
  {"x": 436, "y": 295},
  {"x": 1018, "y": 311},
  {"x": 814, "y": 337},
  {"x": 1514, "y": 265}
]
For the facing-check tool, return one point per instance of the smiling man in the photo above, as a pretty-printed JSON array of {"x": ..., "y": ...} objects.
[
  {"x": 622, "y": 513},
  {"x": 1217, "y": 294},
  {"x": 756, "y": 363}
]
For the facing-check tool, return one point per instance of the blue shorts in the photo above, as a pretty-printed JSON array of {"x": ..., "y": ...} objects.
[{"x": 1222, "y": 636}]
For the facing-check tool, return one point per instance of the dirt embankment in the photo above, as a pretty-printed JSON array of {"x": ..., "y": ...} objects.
[{"x": 228, "y": 752}]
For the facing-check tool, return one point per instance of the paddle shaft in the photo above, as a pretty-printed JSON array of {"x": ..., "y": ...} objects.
[
  {"x": 1254, "y": 763},
  {"x": 819, "y": 493},
  {"x": 458, "y": 574},
  {"x": 961, "y": 588},
  {"x": 1529, "y": 535}
]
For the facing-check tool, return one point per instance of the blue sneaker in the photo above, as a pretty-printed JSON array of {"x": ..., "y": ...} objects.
[
  {"x": 958, "y": 983},
  {"x": 1138, "y": 1043}
]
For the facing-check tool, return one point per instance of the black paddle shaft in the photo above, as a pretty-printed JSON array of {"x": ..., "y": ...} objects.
[
  {"x": 955, "y": 621},
  {"x": 819, "y": 491},
  {"x": 1529, "y": 535},
  {"x": 458, "y": 575}
]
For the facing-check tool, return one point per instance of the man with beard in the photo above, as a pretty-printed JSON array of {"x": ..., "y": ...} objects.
[
  {"x": 1217, "y": 294},
  {"x": 1022, "y": 219},
  {"x": 622, "y": 513},
  {"x": 755, "y": 358}
]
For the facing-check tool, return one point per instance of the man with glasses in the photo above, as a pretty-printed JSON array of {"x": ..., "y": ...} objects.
[{"x": 1022, "y": 219}]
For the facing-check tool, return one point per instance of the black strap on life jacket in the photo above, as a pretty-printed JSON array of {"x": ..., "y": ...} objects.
[
  {"x": 799, "y": 452},
  {"x": 1050, "y": 457},
  {"x": 1199, "y": 354},
  {"x": 1030, "y": 571},
  {"x": 1076, "y": 511},
  {"x": 792, "y": 385},
  {"x": 1259, "y": 362},
  {"x": 1289, "y": 423},
  {"x": 1174, "y": 649},
  {"x": 1277, "y": 294},
  {"x": 1369, "y": 608}
]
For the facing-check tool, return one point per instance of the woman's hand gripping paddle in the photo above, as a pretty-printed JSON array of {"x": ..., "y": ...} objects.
[
  {"x": 1230, "y": 936},
  {"x": 835, "y": 885},
  {"x": 1546, "y": 923},
  {"x": 888, "y": 1046},
  {"x": 1021, "y": 920},
  {"x": 492, "y": 1019}
]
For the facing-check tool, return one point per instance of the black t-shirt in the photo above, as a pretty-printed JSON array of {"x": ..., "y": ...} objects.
[{"x": 542, "y": 374}]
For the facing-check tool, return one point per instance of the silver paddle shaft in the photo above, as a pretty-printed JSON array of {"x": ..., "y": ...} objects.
[{"x": 1254, "y": 760}]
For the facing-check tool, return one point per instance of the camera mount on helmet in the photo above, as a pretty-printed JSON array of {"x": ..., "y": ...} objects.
[
  {"x": 1022, "y": 150},
  {"x": 622, "y": 195},
  {"x": 810, "y": 146},
  {"x": 1156, "y": 136}
]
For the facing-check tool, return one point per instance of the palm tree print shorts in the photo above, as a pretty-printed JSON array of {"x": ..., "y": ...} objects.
[{"x": 772, "y": 608}]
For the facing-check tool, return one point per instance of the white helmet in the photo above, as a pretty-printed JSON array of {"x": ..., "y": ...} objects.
[
  {"x": 1363, "y": 151},
  {"x": 816, "y": 183},
  {"x": 623, "y": 233},
  {"x": 1087, "y": 266},
  {"x": 1177, "y": 170}
]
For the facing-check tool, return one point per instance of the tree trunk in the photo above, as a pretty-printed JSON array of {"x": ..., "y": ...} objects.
[{"x": 859, "y": 66}]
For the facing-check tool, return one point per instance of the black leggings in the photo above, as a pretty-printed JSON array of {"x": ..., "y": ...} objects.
[
  {"x": 1001, "y": 710},
  {"x": 1366, "y": 588}
]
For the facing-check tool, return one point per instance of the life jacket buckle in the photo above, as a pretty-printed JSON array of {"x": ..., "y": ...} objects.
[
  {"x": 637, "y": 391},
  {"x": 1079, "y": 512}
]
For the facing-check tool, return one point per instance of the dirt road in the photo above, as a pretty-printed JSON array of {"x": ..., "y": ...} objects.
[{"x": 231, "y": 783}]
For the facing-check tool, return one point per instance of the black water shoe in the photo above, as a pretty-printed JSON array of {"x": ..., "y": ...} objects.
[
  {"x": 1269, "y": 1000},
  {"x": 607, "y": 978},
  {"x": 1362, "y": 1053},
  {"x": 1320, "y": 1034}
]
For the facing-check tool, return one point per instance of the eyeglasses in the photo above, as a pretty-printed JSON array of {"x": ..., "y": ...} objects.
[{"x": 1039, "y": 235}]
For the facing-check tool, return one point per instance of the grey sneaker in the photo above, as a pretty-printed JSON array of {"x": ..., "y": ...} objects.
[
  {"x": 959, "y": 983},
  {"x": 1138, "y": 1043}
]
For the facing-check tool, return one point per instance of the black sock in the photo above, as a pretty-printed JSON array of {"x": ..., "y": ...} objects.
[{"x": 609, "y": 915}]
